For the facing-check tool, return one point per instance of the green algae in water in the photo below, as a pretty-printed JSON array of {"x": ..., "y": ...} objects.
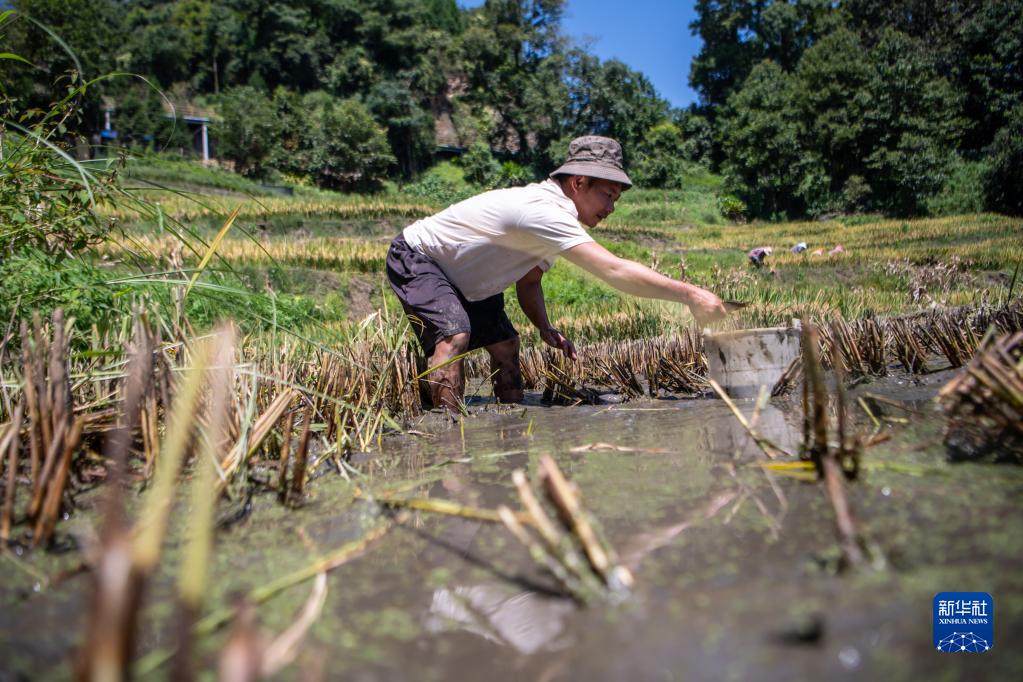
[{"x": 710, "y": 599}]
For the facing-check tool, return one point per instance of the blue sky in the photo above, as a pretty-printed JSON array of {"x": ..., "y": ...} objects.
[{"x": 651, "y": 36}]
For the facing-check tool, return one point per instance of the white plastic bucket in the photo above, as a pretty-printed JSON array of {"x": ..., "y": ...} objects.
[{"x": 743, "y": 361}]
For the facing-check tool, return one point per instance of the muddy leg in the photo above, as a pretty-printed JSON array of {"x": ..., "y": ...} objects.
[
  {"x": 507, "y": 375},
  {"x": 447, "y": 384}
]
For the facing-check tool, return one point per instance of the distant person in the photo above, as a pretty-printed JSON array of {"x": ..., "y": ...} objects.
[
  {"x": 758, "y": 255},
  {"x": 450, "y": 270}
]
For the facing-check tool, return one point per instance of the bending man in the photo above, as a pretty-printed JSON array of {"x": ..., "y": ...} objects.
[{"x": 450, "y": 270}]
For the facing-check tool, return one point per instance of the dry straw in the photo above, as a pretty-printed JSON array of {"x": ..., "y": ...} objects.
[{"x": 986, "y": 399}]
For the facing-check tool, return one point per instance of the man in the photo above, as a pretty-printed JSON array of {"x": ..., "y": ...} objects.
[{"x": 450, "y": 270}]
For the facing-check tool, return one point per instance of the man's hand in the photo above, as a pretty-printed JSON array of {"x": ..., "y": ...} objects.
[
  {"x": 706, "y": 307},
  {"x": 552, "y": 337}
]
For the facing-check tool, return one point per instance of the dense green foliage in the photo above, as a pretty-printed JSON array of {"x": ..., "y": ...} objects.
[
  {"x": 502, "y": 75},
  {"x": 335, "y": 142},
  {"x": 849, "y": 128},
  {"x": 822, "y": 107},
  {"x": 1004, "y": 178},
  {"x": 47, "y": 200},
  {"x": 808, "y": 107}
]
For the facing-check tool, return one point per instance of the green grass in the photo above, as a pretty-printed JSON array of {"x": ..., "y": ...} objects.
[
  {"x": 653, "y": 208},
  {"x": 174, "y": 172}
]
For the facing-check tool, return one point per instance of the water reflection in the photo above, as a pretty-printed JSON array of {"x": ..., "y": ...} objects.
[
  {"x": 525, "y": 621},
  {"x": 530, "y": 622},
  {"x": 500, "y": 611},
  {"x": 725, "y": 435}
]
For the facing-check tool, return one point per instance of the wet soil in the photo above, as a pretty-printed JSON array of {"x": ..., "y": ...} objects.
[{"x": 736, "y": 565}]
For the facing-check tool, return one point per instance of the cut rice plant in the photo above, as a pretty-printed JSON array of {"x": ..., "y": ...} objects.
[
  {"x": 984, "y": 403},
  {"x": 836, "y": 460},
  {"x": 129, "y": 554},
  {"x": 674, "y": 364}
]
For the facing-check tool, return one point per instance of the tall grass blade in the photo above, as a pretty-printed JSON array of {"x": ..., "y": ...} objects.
[
  {"x": 193, "y": 576},
  {"x": 18, "y": 58},
  {"x": 212, "y": 250},
  {"x": 1015, "y": 274},
  {"x": 324, "y": 564},
  {"x": 179, "y": 431},
  {"x": 57, "y": 39}
]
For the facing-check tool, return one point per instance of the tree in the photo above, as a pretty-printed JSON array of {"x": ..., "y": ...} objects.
[
  {"x": 267, "y": 44},
  {"x": 352, "y": 70},
  {"x": 766, "y": 165},
  {"x": 409, "y": 128},
  {"x": 725, "y": 59},
  {"x": 976, "y": 46},
  {"x": 91, "y": 30},
  {"x": 479, "y": 165},
  {"x": 698, "y": 136},
  {"x": 370, "y": 40},
  {"x": 444, "y": 15},
  {"x": 608, "y": 98},
  {"x": 290, "y": 152},
  {"x": 142, "y": 122},
  {"x": 347, "y": 150},
  {"x": 250, "y": 130},
  {"x": 1004, "y": 179},
  {"x": 505, "y": 65},
  {"x": 915, "y": 123},
  {"x": 659, "y": 161},
  {"x": 511, "y": 56},
  {"x": 169, "y": 40},
  {"x": 850, "y": 128},
  {"x": 738, "y": 34},
  {"x": 989, "y": 68},
  {"x": 831, "y": 95}
]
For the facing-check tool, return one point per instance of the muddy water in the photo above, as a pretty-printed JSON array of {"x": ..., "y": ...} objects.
[{"x": 735, "y": 566}]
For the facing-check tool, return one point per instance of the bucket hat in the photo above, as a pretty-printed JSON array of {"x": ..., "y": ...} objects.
[{"x": 596, "y": 157}]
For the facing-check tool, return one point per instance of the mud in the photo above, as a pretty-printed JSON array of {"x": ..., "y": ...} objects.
[{"x": 736, "y": 566}]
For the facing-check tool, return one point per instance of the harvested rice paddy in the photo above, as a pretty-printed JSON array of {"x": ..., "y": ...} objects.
[{"x": 283, "y": 484}]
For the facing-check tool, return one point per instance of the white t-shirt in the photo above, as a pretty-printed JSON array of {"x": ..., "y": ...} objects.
[{"x": 488, "y": 242}]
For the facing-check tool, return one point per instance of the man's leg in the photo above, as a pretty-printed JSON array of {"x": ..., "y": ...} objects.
[
  {"x": 439, "y": 318},
  {"x": 447, "y": 384},
  {"x": 504, "y": 366}
]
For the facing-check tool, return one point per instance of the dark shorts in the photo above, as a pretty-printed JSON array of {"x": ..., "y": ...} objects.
[{"x": 437, "y": 308}]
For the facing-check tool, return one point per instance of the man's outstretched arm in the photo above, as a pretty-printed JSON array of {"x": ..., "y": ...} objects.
[
  {"x": 530, "y": 294},
  {"x": 639, "y": 280}
]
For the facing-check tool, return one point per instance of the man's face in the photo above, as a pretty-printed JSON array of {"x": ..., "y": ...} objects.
[{"x": 594, "y": 199}]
